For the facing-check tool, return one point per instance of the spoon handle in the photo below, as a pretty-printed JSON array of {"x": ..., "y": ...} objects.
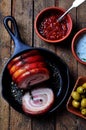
[
  {"x": 76, "y": 3},
  {"x": 60, "y": 18}
]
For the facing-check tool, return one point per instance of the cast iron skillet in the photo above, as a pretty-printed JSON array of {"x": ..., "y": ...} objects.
[{"x": 59, "y": 81}]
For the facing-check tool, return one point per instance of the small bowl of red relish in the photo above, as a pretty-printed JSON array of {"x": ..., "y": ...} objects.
[{"x": 49, "y": 29}]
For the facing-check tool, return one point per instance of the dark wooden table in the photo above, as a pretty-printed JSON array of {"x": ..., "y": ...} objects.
[{"x": 25, "y": 12}]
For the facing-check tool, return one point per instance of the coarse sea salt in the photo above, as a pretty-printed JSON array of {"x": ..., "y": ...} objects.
[{"x": 81, "y": 48}]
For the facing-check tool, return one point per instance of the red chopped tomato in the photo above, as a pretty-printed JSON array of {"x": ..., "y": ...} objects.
[{"x": 51, "y": 29}]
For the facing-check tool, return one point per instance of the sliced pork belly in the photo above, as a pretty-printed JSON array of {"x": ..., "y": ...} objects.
[
  {"x": 38, "y": 102},
  {"x": 23, "y": 56},
  {"x": 28, "y": 60},
  {"x": 32, "y": 77},
  {"x": 27, "y": 67}
]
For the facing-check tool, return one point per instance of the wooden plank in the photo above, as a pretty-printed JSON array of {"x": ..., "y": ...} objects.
[
  {"x": 43, "y": 123},
  {"x": 81, "y": 21},
  {"x": 5, "y": 9},
  {"x": 38, "y": 6},
  {"x": 19, "y": 121},
  {"x": 64, "y": 49},
  {"x": 48, "y": 122},
  {"x": 64, "y": 119},
  {"x": 22, "y": 12}
]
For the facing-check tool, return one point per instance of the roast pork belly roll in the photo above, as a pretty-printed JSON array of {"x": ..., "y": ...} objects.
[
  {"x": 27, "y": 67},
  {"x": 23, "y": 56},
  {"x": 38, "y": 102},
  {"x": 32, "y": 77},
  {"x": 22, "y": 62}
]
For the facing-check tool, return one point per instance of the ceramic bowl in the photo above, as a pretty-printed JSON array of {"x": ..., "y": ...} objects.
[
  {"x": 78, "y": 46},
  {"x": 49, "y": 29},
  {"x": 70, "y": 108}
]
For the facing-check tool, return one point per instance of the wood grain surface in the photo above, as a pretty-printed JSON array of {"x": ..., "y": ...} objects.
[{"x": 25, "y": 12}]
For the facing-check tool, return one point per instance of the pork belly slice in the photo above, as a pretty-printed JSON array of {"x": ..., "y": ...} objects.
[
  {"x": 32, "y": 77},
  {"x": 38, "y": 102},
  {"x": 27, "y": 67},
  {"x": 23, "y": 56},
  {"x": 22, "y": 62}
]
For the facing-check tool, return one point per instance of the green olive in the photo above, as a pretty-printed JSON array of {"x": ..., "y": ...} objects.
[
  {"x": 75, "y": 104},
  {"x": 83, "y": 111},
  {"x": 80, "y": 90},
  {"x": 84, "y": 85},
  {"x": 75, "y": 95},
  {"x": 83, "y": 102}
]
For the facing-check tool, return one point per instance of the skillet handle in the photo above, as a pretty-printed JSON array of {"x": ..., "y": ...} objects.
[
  {"x": 14, "y": 34},
  {"x": 19, "y": 45}
]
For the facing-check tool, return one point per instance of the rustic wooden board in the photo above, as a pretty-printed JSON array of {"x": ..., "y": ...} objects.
[
  {"x": 81, "y": 21},
  {"x": 22, "y": 12},
  {"x": 25, "y": 12},
  {"x": 4, "y": 55},
  {"x": 47, "y": 122},
  {"x": 64, "y": 51},
  {"x": 38, "y": 6}
]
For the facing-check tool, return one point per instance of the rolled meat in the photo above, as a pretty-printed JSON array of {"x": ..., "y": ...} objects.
[
  {"x": 32, "y": 77},
  {"x": 22, "y": 62},
  {"x": 27, "y": 67},
  {"x": 23, "y": 56},
  {"x": 38, "y": 102}
]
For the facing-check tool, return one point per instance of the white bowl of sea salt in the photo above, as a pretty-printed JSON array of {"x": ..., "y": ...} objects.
[{"x": 79, "y": 46}]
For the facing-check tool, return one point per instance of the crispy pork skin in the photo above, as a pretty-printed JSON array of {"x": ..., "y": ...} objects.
[
  {"x": 23, "y": 56},
  {"x": 27, "y": 67},
  {"x": 28, "y": 60}
]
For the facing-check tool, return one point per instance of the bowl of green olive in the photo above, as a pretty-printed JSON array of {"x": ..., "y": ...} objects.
[{"x": 76, "y": 103}]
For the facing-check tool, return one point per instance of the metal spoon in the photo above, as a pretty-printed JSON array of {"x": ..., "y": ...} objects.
[{"x": 76, "y": 3}]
